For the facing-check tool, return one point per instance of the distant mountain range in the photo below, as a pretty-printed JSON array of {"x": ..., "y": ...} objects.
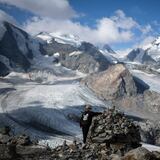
[
  {"x": 149, "y": 54},
  {"x": 19, "y": 51}
]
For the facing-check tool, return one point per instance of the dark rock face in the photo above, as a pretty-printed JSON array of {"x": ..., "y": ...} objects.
[
  {"x": 107, "y": 48},
  {"x": 113, "y": 83},
  {"x": 141, "y": 85},
  {"x": 135, "y": 55},
  {"x": 98, "y": 57},
  {"x": 3, "y": 70},
  {"x": 9, "y": 49},
  {"x": 55, "y": 47},
  {"x": 86, "y": 58}
]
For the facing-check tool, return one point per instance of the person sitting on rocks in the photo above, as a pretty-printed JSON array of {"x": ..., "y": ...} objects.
[{"x": 86, "y": 120}]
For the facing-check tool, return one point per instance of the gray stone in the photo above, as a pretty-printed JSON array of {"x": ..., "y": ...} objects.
[
  {"x": 4, "y": 139},
  {"x": 139, "y": 154},
  {"x": 7, "y": 152},
  {"x": 5, "y": 130},
  {"x": 30, "y": 150}
]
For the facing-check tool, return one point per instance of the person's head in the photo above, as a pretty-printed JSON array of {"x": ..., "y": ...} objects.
[{"x": 88, "y": 107}]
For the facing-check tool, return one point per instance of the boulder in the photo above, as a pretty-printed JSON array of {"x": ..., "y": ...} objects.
[
  {"x": 5, "y": 130},
  {"x": 139, "y": 153},
  {"x": 30, "y": 150},
  {"x": 21, "y": 140},
  {"x": 4, "y": 139}
]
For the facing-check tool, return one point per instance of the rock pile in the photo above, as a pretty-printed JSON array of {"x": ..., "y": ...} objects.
[
  {"x": 17, "y": 147},
  {"x": 111, "y": 137},
  {"x": 113, "y": 127},
  {"x": 100, "y": 152}
]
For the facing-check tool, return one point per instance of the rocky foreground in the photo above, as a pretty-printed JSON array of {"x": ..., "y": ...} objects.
[{"x": 112, "y": 136}]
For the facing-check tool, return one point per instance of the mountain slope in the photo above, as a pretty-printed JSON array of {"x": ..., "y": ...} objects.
[
  {"x": 74, "y": 53},
  {"x": 10, "y": 49}
]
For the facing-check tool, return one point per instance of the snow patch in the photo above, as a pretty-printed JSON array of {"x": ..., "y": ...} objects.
[
  {"x": 151, "y": 147},
  {"x": 60, "y": 38},
  {"x": 150, "y": 79},
  {"x": 75, "y": 53}
]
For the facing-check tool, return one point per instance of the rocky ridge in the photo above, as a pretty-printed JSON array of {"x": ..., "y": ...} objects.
[
  {"x": 120, "y": 141},
  {"x": 112, "y": 136},
  {"x": 112, "y": 83}
]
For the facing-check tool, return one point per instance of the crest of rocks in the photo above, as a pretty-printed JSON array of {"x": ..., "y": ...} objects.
[
  {"x": 17, "y": 147},
  {"x": 113, "y": 127},
  {"x": 111, "y": 137}
]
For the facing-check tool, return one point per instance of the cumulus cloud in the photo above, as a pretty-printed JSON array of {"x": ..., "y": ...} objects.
[
  {"x": 57, "y": 9},
  {"x": 145, "y": 42},
  {"x": 6, "y": 17},
  {"x": 56, "y": 16},
  {"x": 115, "y": 29},
  {"x": 123, "y": 21}
]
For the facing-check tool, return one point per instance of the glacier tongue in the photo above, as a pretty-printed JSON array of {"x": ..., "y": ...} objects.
[{"x": 42, "y": 110}]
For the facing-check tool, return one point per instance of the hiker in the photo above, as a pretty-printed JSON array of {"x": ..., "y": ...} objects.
[{"x": 86, "y": 120}]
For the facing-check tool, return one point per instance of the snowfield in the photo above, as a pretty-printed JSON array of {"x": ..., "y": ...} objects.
[
  {"x": 44, "y": 110},
  {"x": 151, "y": 79},
  {"x": 60, "y": 38}
]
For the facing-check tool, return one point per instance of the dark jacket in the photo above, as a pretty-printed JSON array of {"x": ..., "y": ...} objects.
[{"x": 86, "y": 118}]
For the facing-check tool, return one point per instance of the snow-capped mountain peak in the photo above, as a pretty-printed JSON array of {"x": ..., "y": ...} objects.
[
  {"x": 148, "y": 54},
  {"x": 60, "y": 38},
  {"x": 107, "y": 48}
]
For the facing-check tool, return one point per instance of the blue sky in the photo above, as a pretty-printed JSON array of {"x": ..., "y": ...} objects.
[
  {"x": 124, "y": 24},
  {"x": 144, "y": 11}
]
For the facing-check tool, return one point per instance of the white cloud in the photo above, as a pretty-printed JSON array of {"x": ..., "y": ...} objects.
[
  {"x": 123, "y": 52},
  {"x": 56, "y": 16},
  {"x": 6, "y": 17},
  {"x": 146, "y": 29},
  {"x": 123, "y": 21},
  {"x": 146, "y": 42},
  {"x": 108, "y": 29},
  {"x": 57, "y": 9}
]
